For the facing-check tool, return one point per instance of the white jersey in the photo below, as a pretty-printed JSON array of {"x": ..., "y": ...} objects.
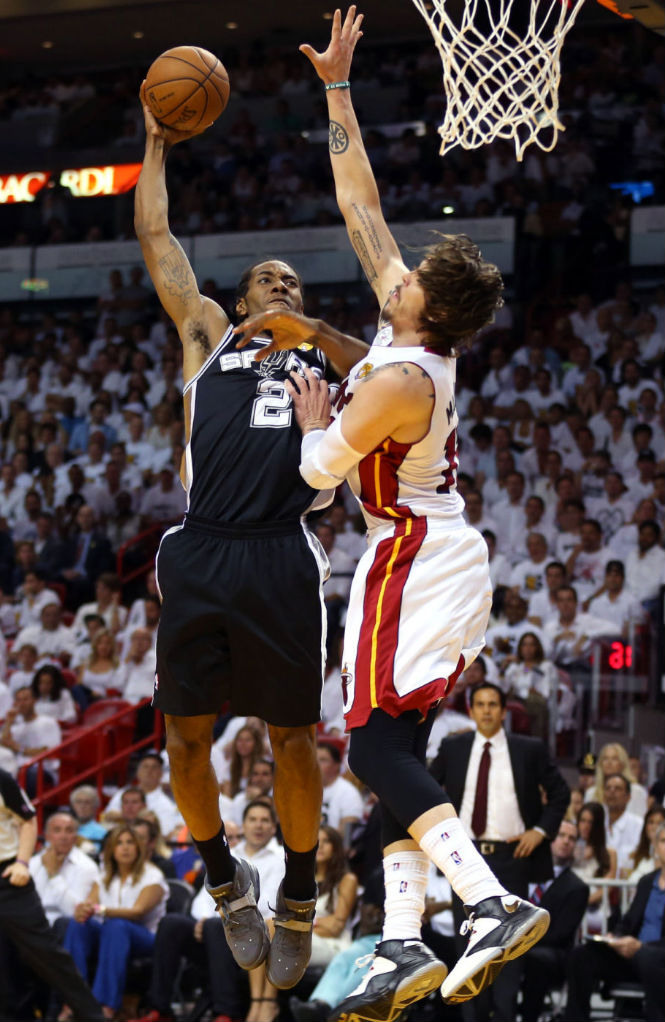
[{"x": 398, "y": 481}]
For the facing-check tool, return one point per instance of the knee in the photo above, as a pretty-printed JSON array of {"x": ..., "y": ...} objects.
[
  {"x": 293, "y": 745},
  {"x": 188, "y": 743}
]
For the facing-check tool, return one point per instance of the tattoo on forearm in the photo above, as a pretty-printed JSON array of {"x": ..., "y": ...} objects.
[
  {"x": 359, "y": 245},
  {"x": 368, "y": 227},
  {"x": 177, "y": 276},
  {"x": 338, "y": 138}
]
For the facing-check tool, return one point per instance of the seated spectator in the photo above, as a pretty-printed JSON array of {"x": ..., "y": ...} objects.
[
  {"x": 259, "y": 785},
  {"x": 614, "y": 759},
  {"x": 136, "y": 674},
  {"x": 199, "y": 937},
  {"x": 642, "y": 859},
  {"x": 26, "y": 658},
  {"x": 165, "y": 501},
  {"x": 35, "y": 596},
  {"x": 593, "y": 858},
  {"x": 149, "y": 775},
  {"x": 448, "y": 722},
  {"x": 336, "y": 898},
  {"x": 137, "y": 617},
  {"x": 645, "y": 567},
  {"x": 93, "y": 624},
  {"x": 87, "y": 555},
  {"x": 531, "y": 679},
  {"x": 587, "y": 562},
  {"x": 50, "y": 637},
  {"x": 544, "y": 967},
  {"x": 132, "y": 900},
  {"x": 149, "y": 832},
  {"x": 502, "y": 638},
  {"x": 27, "y": 734},
  {"x": 635, "y": 951},
  {"x": 528, "y": 576},
  {"x": 85, "y": 804},
  {"x": 622, "y": 828},
  {"x": 543, "y": 605},
  {"x": 64, "y": 875},
  {"x": 342, "y": 803},
  {"x": 100, "y": 672},
  {"x": 52, "y": 697},
  {"x": 613, "y": 602},
  {"x": 108, "y": 605},
  {"x": 569, "y": 635},
  {"x": 124, "y": 807},
  {"x": 246, "y": 749}
]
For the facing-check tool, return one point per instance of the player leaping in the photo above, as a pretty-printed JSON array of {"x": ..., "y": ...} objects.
[{"x": 421, "y": 594}]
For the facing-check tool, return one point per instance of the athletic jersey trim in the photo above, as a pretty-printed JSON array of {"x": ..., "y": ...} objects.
[{"x": 209, "y": 359}]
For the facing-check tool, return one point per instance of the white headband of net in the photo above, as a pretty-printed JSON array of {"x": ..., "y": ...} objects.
[{"x": 499, "y": 84}]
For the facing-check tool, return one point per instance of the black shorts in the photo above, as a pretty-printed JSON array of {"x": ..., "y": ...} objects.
[{"x": 243, "y": 620}]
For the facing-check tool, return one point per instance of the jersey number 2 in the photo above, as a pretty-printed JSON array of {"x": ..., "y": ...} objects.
[{"x": 272, "y": 408}]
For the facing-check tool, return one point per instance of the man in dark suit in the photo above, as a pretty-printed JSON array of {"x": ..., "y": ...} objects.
[
  {"x": 636, "y": 951},
  {"x": 494, "y": 781},
  {"x": 87, "y": 554},
  {"x": 544, "y": 966}
]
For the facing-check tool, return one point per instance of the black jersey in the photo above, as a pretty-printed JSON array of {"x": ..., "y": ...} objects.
[{"x": 244, "y": 450}]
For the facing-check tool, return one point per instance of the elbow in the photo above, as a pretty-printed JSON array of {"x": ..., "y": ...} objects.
[{"x": 149, "y": 228}]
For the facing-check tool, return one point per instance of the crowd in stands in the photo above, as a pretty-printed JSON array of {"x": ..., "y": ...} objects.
[{"x": 265, "y": 164}]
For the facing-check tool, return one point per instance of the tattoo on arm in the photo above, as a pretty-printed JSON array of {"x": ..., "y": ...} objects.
[
  {"x": 367, "y": 224},
  {"x": 359, "y": 245},
  {"x": 338, "y": 138},
  {"x": 406, "y": 368},
  {"x": 177, "y": 276}
]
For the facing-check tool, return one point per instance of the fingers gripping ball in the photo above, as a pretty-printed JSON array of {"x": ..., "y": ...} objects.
[{"x": 187, "y": 88}]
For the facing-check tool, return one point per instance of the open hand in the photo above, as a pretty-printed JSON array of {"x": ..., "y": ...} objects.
[
  {"x": 311, "y": 400},
  {"x": 155, "y": 129},
  {"x": 334, "y": 64},
  {"x": 526, "y": 843},
  {"x": 288, "y": 329}
]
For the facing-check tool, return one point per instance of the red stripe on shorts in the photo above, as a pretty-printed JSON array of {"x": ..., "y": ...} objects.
[
  {"x": 379, "y": 485},
  {"x": 379, "y": 631}
]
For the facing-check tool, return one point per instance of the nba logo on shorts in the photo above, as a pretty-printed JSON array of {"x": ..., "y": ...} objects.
[
  {"x": 403, "y": 886},
  {"x": 456, "y": 857}
]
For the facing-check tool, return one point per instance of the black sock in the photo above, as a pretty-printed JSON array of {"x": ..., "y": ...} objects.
[
  {"x": 216, "y": 855},
  {"x": 300, "y": 874}
]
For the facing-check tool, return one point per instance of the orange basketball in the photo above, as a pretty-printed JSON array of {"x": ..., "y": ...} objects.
[{"x": 187, "y": 88}]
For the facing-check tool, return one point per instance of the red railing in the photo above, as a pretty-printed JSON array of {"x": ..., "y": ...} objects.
[
  {"x": 148, "y": 540},
  {"x": 92, "y": 754}
]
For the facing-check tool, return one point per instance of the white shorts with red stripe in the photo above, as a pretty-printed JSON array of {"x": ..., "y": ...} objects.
[{"x": 418, "y": 610}]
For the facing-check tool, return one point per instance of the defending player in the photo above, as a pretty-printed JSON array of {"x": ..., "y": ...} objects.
[
  {"x": 242, "y": 615},
  {"x": 421, "y": 595}
]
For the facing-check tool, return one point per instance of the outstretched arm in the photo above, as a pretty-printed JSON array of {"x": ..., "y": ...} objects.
[
  {"x": 290, "y": 330},
  {"x": 357, "y": 194},
  {"x": 198, "y": 320}
]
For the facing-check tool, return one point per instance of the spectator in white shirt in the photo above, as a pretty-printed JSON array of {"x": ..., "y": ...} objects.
[
  {"x": 63, "y": 875},
  {"x": 498, "y": 564},
  {"x": 528, "y": 577},
  {"x": 543, "y": 605},
  {"x": 614, "y": 508},
  {"x": 28, "y": 734},
  {"x": 166, "y": 501},
  {"x": 50, "y": 637},
  {"x": 342, "y": 565},
  {"x": 136, "y": 674},
  {"x": 259, "y": 785},
  {"x": 613, "y": 602},
  {"x": 619, "y": 442},
  {"x": 11, "y": 495},
  {"x": 631, "y": 385},
  {"x": 586, "y": 564},
  {"x": 509, "y": 513},
  {"x": 52, "y": 697},
  {"x": 342, "y": 803},
  {"x": 149, "y": 775},
  {"x": 474, "y": 512},
  {"x": 623, "y": 829},
  {"x": 346, "y": 538},
  {"x": 569, "y": 634},
  {"x": 569, "y": 519},
  {"x": 645, "y": 567},
  {"x": 35, "y": 597},
  {"x": 501, "y": 640},
  {"x": 108, "y": 605}
]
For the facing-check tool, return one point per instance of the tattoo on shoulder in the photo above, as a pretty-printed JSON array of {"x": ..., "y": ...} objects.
[
  {"x": 359, "y": 245},
  {"x": 177, "y": 276},
  {"x": 405, "y": 368},
  {"x": 338, "y": 138},
  {"x": 199, "y": 335}
]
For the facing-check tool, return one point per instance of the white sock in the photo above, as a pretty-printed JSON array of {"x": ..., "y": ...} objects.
[
  {"x": 406, "y": 876},
  {"x": 452, "y": 851}
]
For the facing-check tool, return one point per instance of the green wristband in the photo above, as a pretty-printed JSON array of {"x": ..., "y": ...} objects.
[{"x": 338, "y": 85}]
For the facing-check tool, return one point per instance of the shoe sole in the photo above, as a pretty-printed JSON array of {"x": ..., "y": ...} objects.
[
  {"x": 413, "y": 988},
  {"x": 455, "y": 990}
]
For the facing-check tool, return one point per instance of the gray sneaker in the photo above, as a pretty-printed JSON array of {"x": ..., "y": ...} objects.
[
  {"x": 291, "y": 946},
  {"x": 244, "y": 926}
]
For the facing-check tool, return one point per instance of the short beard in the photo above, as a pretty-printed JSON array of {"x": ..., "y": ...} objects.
[{"x": 385, "y": 316}]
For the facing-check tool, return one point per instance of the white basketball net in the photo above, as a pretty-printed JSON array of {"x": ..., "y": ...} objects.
[{"x": 499, "y": 84}]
